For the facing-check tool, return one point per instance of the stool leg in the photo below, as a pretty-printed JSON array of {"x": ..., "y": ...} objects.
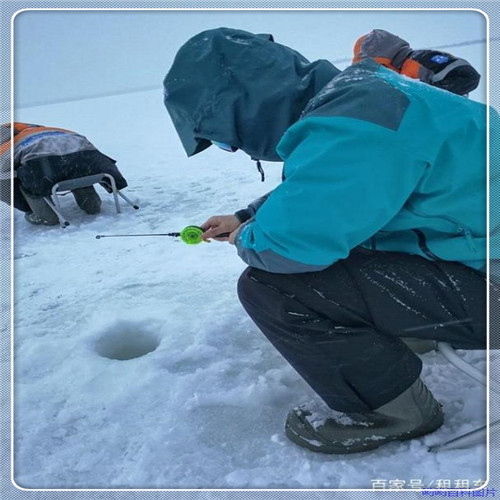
[
  {"x": 62, "y": 221},
  {"x": 128, "y": 200},
  {"x": 115, "y": 191}
]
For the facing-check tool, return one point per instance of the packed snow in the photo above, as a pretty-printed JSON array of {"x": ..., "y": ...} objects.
[{"x": 135, "y": 364}]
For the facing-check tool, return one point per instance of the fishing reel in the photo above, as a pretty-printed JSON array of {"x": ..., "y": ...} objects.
[{"x": 191, "y": 235}]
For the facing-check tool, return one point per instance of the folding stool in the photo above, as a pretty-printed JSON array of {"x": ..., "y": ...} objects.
[{"x": 63, "y": 187}]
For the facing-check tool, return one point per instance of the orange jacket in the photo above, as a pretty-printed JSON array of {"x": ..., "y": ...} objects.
[
  {"x": 32, "y": 140},
  {"x": 24, "y": 130}
]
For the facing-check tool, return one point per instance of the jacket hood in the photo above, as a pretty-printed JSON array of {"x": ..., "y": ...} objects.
[{"x": 242, "y": 89}]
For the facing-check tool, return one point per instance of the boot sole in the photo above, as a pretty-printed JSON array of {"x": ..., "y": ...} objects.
[{"x": 307, "y": 439}]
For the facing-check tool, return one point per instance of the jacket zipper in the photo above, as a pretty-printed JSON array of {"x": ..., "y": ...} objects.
[{"x": 460, "y": 227}]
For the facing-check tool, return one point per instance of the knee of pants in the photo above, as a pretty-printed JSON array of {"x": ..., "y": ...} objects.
[
  {"x": 260, "y": 296},
  {"x": 261, "y": 301},
  {"x": 246, "y": 287},
  {"x": 254, "y": 293}
]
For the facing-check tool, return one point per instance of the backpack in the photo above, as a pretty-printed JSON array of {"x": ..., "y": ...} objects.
[{"x": 439, "y": 69}]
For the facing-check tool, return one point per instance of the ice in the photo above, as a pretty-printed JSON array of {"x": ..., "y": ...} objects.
[
  {"x": 135, "y": 365},
  {"x": 203, "y": 398}
]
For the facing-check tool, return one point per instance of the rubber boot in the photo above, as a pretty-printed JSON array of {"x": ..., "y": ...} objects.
[
  {"x": 88, "y": 199},
  {"x": 41, "y": 213},
  {"x": 413, "y": 413}
]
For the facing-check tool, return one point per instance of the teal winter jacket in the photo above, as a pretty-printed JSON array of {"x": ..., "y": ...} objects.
[{"x": 380, "y": 161}]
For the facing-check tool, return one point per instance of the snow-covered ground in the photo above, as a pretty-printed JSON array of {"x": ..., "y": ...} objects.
[{"x": 205, "y": 406}]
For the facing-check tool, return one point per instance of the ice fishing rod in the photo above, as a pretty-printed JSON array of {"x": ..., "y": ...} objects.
[
  {"x": 191, "y": 235},
  {"x": 441, "y": 324}
]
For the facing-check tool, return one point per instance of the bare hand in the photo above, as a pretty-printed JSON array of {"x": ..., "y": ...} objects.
[{"x": 220, "y": 224}]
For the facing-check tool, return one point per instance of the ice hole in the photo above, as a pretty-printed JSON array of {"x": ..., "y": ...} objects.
[{"x": 126, "y": 344}]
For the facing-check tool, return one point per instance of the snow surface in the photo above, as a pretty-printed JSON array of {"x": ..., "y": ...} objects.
[{"x": 206, "y": 407}]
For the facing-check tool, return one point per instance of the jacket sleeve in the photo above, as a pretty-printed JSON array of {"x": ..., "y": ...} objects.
[
  {"x": 247, "y": 213},
  {"x": 344, "y": 180}
]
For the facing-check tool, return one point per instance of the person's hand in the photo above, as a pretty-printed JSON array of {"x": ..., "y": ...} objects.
[{"x": 220, "y": 224}]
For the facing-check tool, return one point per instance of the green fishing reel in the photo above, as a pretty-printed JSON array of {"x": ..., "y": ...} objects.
[{"x": 191, "y": 235}]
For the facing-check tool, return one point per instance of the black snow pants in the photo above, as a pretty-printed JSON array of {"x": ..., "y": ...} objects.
[{"x": 341, "y": 328}]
